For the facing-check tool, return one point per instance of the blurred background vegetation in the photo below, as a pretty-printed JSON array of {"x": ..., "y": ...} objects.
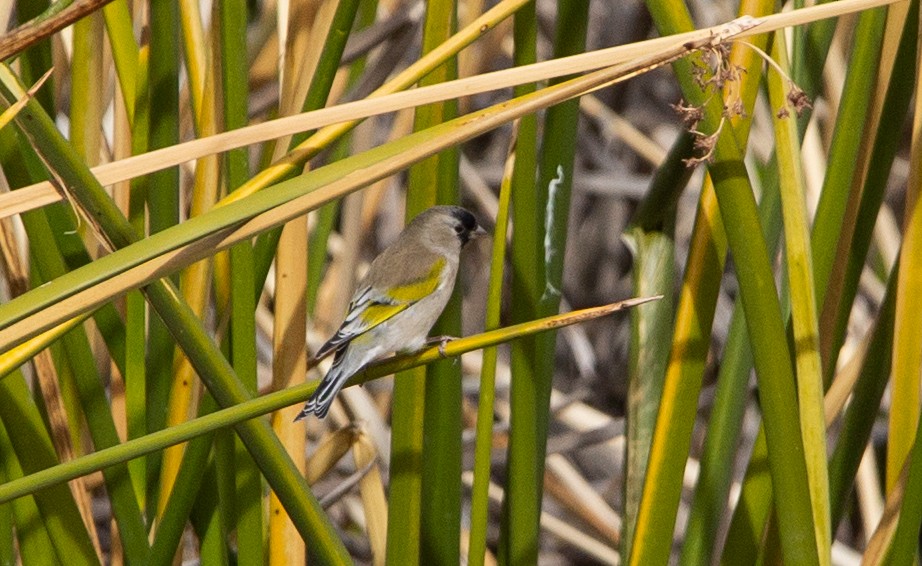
[{"x": 762, "y": 180}]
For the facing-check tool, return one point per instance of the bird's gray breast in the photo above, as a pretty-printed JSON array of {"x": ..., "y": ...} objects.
[{"x": 407, "y": 331}]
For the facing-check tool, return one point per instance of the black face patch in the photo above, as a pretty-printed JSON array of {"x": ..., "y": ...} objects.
[
  {"x": 467, "y": 223},
  {"x": 466, "y": 219}
]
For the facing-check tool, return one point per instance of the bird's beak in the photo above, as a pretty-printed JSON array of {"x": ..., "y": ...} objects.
[{"x": 479, "y": 233}]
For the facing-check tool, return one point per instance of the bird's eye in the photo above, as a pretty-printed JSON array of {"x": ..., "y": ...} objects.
[{"x": 459, "y": 229}]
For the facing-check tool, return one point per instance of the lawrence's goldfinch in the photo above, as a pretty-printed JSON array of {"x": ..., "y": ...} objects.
[{"x": 399, "y": 299}]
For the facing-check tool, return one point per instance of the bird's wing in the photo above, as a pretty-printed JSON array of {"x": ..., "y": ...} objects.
[{"x": 371, "y": 307}]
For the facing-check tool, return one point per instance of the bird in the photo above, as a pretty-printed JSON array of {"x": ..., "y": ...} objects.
[{"x": 398, "y": 300}]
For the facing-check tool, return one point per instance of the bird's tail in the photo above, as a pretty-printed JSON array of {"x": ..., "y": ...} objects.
[{"x": 322, "y": 397}]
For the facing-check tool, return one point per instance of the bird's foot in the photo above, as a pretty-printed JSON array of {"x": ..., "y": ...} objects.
[{"x": 441, "y": 341}]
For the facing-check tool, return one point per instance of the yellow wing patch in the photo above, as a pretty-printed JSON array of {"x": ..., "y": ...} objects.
[
  {"x": 375, "y": 314},
  {"x": 412, "y": 292}
]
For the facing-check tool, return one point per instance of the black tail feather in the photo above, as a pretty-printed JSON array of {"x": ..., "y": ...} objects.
[{"x": 322, "y": 397}]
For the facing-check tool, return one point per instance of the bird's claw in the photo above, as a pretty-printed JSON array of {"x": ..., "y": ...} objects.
[{"x": 441, "y": 341}]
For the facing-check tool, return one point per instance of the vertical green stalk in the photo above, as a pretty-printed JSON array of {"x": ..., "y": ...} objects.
[
  {"x": 770, "y": 353},
  {"x": 35, "y": 546},
  {"x": 480, "y": 500},
  {"x": 403, "y": 543},
  {"x": 172, "y": 522},
  {"x": 232, "y": 17},
  {"x": 719, "y": 453},
  {"x": 440, "y": 516},
  {"x": 201, "y": 195},
  {"x": 518, "y": 538},
  {"x": 803, "y": 300},
  {"x": 875, "y": 372},
  {"x": 87, "y": 95},
  {"x": 836, "y": 309},
  {"x": 675, "y": 418},
  {"x": 145, "y": 470},
  {"x": 326, "y": 215},
  {"x": 96, "y": 409},
  {"x": 904, "y": 546},
  {"x": 33, "y": 448},
  {"x": 86, "y": 115},
  {"x": 864, "y": 406},
  {"x": 766, "y": 333},
  {"x": 430, "y": 482},
  {"x": 539, "y": 241},
  {"x": 136, "y": 391},
  {"x": 248, "y": 506},
  {"x": 755, "y": 502},
  {"x": 907, "y": 333},
  {"x": 208, "y": 520},
  {"x": 223, "y": 448},
  {"x": 125, "y": 52},
  {"x": 162, "y": 203},
  {"x": 650, "y": 239},
  {"x": 249, "y": 494},
  {"x": 846, "y": 143}
]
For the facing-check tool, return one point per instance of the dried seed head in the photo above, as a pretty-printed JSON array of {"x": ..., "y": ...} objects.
[
  {"x": 798, "y": 99},
  {"x": 690, "y": 115}
]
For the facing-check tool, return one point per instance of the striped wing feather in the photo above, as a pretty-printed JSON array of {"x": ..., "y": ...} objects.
[{"x": 370, "y": 307}]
